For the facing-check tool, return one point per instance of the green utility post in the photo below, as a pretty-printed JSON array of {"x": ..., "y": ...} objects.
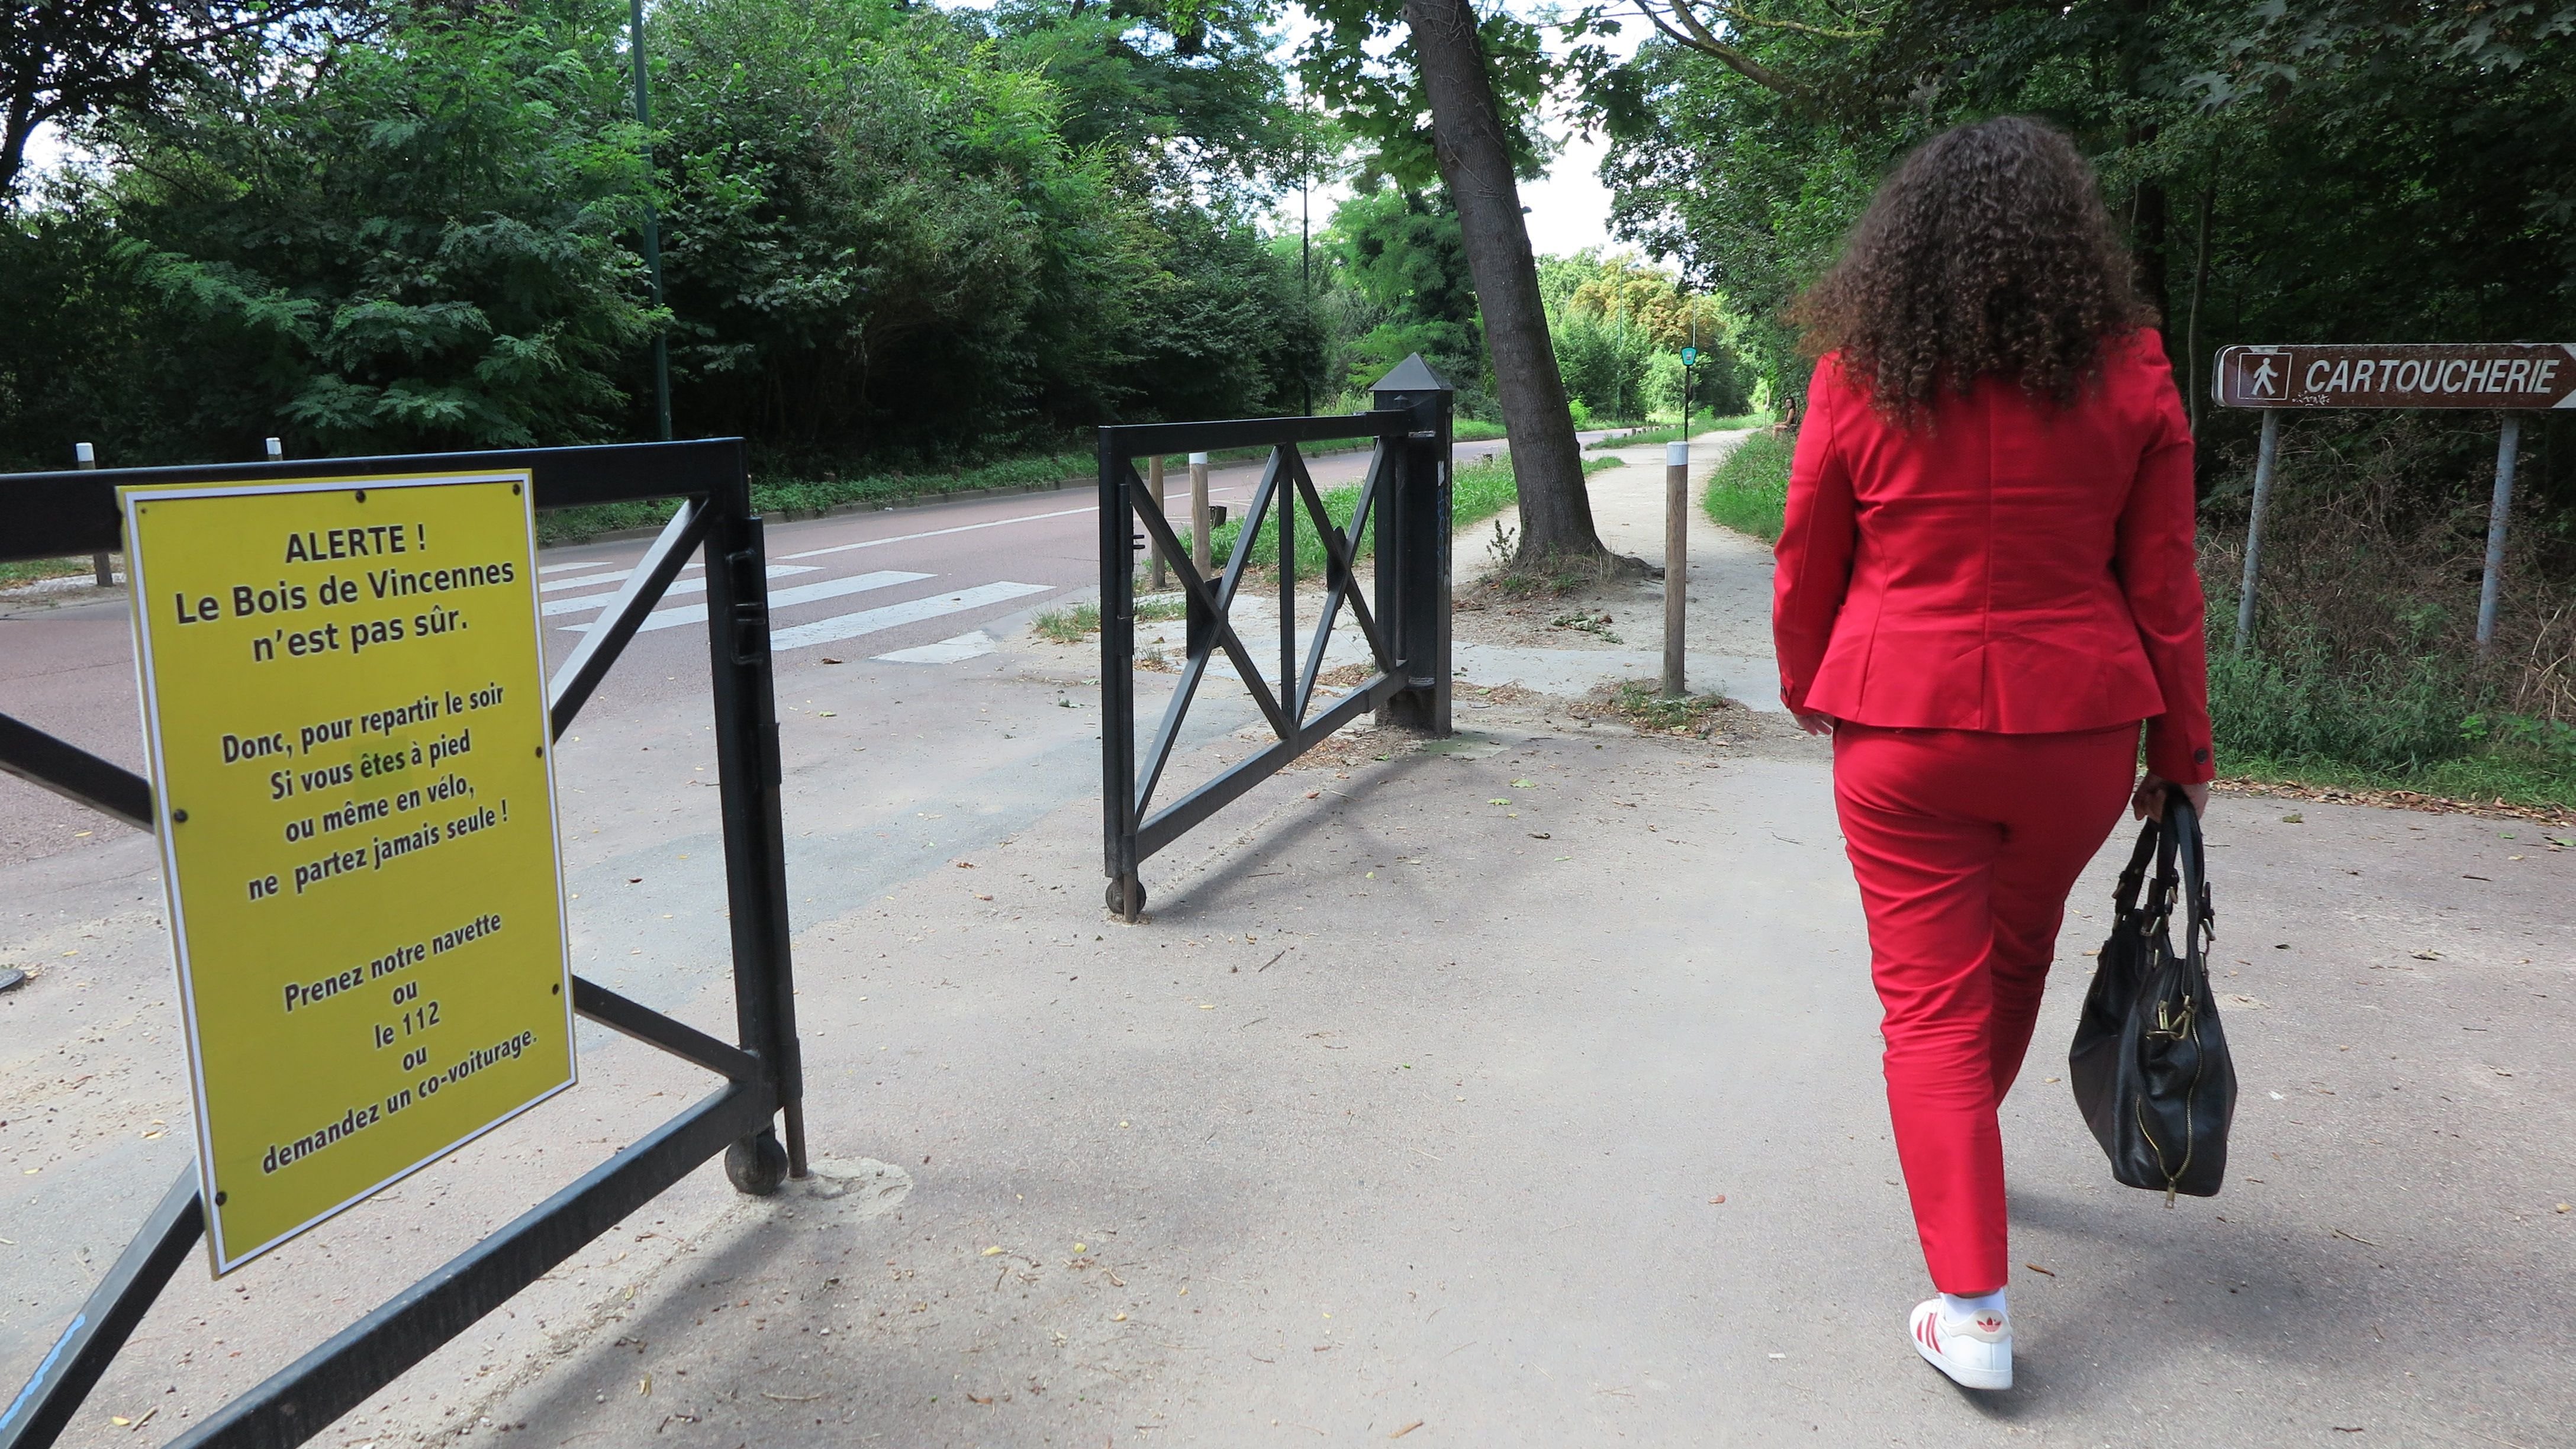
[
  {"x": 652, "y": 227},
  {"x": 1690, "y": 359}
]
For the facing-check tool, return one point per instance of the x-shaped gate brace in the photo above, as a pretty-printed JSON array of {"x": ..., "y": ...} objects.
[
  {"x": 1405, "y": 492},
  {"x": 53, "y": 514}
]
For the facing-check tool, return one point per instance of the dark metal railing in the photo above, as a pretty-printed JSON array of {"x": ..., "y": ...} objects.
[
  {"x": 1405, "y": 495},
  {"x": 55, "y": 514}
]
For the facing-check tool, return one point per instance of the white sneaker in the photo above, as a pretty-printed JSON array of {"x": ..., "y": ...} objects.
[{"x": 1976, "y": 1352}]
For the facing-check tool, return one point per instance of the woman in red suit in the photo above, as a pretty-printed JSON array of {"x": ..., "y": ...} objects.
[{"x": 1986, "y": 584}]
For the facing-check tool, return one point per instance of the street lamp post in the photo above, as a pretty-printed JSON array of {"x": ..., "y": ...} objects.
[{"x": 652, "y": 227}]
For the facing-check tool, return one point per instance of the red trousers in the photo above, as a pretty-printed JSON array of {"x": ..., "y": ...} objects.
[{"x": 1965, "y": 844}]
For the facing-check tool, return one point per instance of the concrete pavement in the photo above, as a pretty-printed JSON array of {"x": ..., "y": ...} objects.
[{"x": 1403, "y": 1115}]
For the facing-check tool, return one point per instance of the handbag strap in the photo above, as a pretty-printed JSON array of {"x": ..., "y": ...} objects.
[
  {"x": 2125, "y": 897},
  {"x": 2191, "y": 861}
]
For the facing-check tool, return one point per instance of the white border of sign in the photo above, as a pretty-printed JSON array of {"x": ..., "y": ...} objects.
[{"x": 222, "y": 1261}]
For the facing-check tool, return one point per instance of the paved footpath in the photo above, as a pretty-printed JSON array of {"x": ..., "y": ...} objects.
[{"x": 1517, "y": 1089}]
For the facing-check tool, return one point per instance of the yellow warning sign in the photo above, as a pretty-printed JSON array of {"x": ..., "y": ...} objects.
[{"x": 345, "y": 704}]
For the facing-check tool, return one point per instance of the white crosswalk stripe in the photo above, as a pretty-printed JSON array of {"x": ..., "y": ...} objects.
[
  {"x": 678, "y": 586},
  {"x": 892, "y": 616},
  {"x": 778, "y": 599}
]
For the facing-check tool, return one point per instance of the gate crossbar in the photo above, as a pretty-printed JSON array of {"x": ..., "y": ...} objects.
[
  {"x": 1286, "y": 710},
  {"x": 68, "y": 513}
]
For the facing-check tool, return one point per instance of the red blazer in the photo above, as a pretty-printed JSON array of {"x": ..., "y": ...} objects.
[{"x": 2013, "y": 567}]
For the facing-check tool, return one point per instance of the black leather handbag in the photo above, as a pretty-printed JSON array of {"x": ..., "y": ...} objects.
[{"x": 2150, "y": 1064}]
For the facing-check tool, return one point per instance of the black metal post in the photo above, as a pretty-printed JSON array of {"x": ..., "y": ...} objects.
[
  {"x": 1413, "y": 549},
  {"x": 747, "y": 765},
  {"x": 1118, "y": 681}
]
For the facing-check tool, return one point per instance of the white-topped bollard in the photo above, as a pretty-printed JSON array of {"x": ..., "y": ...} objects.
[
  {"x": 102, "y": 568},
  {"x": 1200, "y": 553},
  {"x": 1676, "y": 562}
]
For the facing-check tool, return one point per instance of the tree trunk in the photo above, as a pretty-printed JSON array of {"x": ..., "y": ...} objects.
[{"x": 1476, "y": 161}]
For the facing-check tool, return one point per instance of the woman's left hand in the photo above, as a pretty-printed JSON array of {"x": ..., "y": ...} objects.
[
  {"x": 1812, "y": 722},
  {"x": 2149, "y": 800}
]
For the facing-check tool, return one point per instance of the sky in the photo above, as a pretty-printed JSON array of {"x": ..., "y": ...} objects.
[{"x": 1569, "y": 208}]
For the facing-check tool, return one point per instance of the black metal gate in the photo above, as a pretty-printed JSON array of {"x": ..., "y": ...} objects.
[
  {"x": 55, "y": 514},
  {"x": 1405, "y": 494}
]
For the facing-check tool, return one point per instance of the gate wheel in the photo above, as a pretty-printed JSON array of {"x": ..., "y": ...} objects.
[
  {"x": 757, "y": 1165},
  {"x": 1116, "y": 895}
]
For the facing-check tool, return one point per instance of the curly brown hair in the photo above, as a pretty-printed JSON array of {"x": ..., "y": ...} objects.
[{"x": 1987, "y": 253}]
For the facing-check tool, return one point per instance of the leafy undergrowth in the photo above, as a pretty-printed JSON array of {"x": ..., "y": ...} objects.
[
  {"x": 2478, "y": 784},
  {"x": 1749, "y": 490}
]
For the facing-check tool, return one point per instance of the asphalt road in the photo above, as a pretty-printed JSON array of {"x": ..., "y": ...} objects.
[{"x": 858, "y": 585}]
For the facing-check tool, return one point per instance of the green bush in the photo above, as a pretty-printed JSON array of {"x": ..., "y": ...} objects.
[
  {"x": 2298, "y": 702},
  {"x": 1749, "y": 489}
]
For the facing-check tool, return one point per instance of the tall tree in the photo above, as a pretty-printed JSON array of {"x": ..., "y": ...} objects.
[
  {"x": 66, "y": 62},
  {"x": 1478, "y": 77},
  {"x": 1475, "y": 158}
]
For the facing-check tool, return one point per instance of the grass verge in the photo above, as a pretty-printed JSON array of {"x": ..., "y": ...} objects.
[
  {"x": 1464, "y": 430},
  {"x": 793, "y": 497},
  {"x": 2469, "y": 784},
  {"x": 1477, "y": 492},
  {"x": 1749, "y": 489},
  {"x": 1672, "y": 432},
  {"x": 1072, "y": 626},
  {"x": 28, "y": 571}
]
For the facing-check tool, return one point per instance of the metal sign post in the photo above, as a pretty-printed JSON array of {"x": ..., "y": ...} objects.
[
  {"x": 2264, "y": 452},
  {"x": 2491, "y": 376},
  {"x": 2497, "y": 511}
]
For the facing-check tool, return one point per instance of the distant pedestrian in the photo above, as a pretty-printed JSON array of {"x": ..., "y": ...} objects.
[{"x": 1986, "y": 583}]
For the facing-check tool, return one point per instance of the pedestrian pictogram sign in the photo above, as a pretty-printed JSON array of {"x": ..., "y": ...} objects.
[
  {"x": 2399, "y": 375},
  {"x": 345, "y": 708}
]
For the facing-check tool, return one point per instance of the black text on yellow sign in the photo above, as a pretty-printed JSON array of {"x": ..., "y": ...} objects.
[{"x": 346, "y": 710}]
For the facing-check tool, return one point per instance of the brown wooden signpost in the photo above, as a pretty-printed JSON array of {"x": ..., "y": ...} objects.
[{"x": 2496, "y": 376}]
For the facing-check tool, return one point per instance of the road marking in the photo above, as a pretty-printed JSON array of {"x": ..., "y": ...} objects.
[
  {"x": 778, "y": 599},
  {"x": 872, "y": 621},
  {"x": 1227, "y": 493},
  {"x": 588, "y": 581},
  {"x": 972, "y": 645},
  {"x": 679, "y": 586},
  {"x": 937, "y": 532},
  {"x": 565, "y": 568}
]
